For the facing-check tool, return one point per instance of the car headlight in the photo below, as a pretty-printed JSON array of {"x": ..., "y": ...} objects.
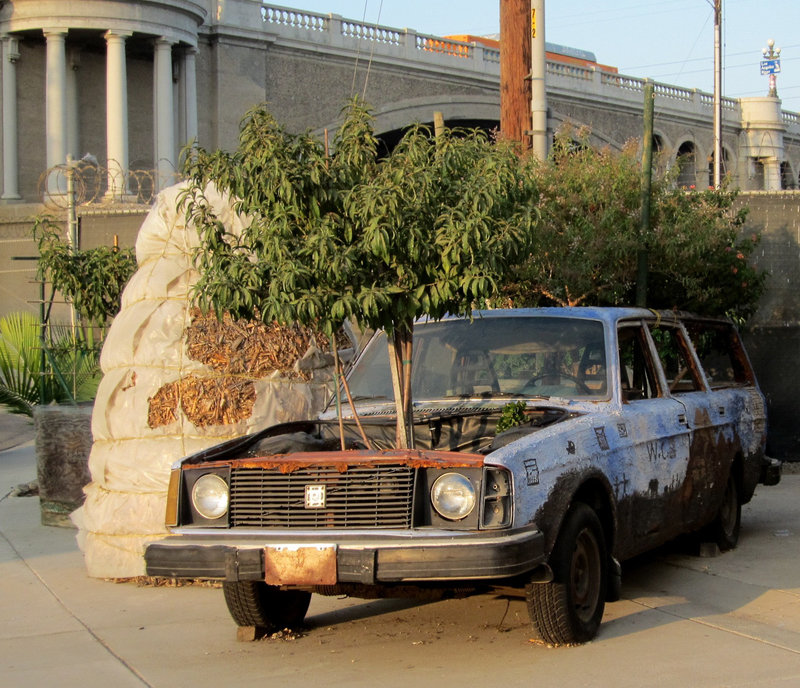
[
  {"x": 210, "y": 496},
  {"x": 453, "y": 496}
]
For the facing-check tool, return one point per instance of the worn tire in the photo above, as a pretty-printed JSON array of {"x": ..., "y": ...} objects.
[
  {"x": 253, "y": 603},
  {"x": 569, "y": 609},
  {"x": 724, "y": 529}
]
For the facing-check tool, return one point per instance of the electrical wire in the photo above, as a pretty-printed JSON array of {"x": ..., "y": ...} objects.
[{"x": 371, "y": 53}]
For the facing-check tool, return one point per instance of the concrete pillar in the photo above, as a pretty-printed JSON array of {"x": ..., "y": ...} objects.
[
  {"x": 73, "y": 119},
  {"x": 56, "y": 102},
  {"x": 190, "y": 93},
  {"x": 772, "y": 174},
  {"x": 10, "y": 130},
  {"x": 116, "y": 114},
  {"x": 163, "y": 115}
]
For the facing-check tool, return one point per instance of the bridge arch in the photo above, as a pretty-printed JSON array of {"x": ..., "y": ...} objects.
[
  {"x": 686, "y": 160},
  {"x": 473, "y": 111}
]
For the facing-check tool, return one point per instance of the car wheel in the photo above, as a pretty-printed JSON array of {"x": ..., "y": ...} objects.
[
  {"x": 569, "y": 608},
  {"x": 724, "y": 529},
  {"x": 254, "y": 603}
]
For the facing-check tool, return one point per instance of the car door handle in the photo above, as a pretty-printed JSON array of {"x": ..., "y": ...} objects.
[
  {"x": 682, "y": 420},
  {"x": 721, "y": 410}
]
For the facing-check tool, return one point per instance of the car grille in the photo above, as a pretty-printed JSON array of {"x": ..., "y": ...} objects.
[{"x": 359, "y": 497}]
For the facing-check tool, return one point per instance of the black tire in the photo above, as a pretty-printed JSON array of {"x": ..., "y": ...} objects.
[
  {"x": 569, "y": 609},
  {"x": 724, "y": 529},
  {"x": 253, "y": 603}
]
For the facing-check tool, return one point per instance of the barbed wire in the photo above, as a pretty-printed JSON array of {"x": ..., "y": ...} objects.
[{"x": 94, "y": 184}]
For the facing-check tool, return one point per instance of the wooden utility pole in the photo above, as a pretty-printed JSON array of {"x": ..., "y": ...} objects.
[{"x": 515, "y": 65}]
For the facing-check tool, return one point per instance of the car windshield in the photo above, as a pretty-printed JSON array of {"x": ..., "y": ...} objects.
[{"x": 493, "y": 357}]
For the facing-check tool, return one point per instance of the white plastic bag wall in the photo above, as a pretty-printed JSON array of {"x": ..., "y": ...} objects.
[{"x": 145, "y": 349}]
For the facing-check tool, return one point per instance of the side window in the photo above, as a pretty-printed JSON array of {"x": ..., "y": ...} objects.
[
  {"x": 637, "y": 376},
  {"x": 676, "y": 359},
  {"x": 721, "y": 354}
]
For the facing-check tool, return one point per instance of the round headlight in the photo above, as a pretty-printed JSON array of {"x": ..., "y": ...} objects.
[
  {"x": 453, "y": 496},
  {"x": 210, "y": 496}
]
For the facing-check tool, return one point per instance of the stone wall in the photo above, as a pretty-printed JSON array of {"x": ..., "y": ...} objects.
[{"x": 774, "y": 340}]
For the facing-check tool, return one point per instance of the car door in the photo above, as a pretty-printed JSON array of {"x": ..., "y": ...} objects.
[
  {"x": 708, "y": 422},
  {"x": 657, "y": 450},
  {"x": 737, "y": 404}
]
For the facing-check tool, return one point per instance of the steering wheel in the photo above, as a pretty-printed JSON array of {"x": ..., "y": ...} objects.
[{"x": 579, "y": 385}]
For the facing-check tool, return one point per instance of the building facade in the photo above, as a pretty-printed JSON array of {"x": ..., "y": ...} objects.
[{"x": 127, "y": 83}]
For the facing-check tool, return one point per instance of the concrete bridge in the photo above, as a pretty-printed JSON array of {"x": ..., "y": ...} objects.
[{"x": 131, "y": 82}]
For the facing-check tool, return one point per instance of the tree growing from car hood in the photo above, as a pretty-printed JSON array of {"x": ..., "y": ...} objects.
[{"x": 428, "y": 230}]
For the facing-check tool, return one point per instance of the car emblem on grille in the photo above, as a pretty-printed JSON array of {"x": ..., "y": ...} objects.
[{"x": 315, "y": 496}]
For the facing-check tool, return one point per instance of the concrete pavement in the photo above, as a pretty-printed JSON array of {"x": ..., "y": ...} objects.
[
  {"x": 15, "y": 429},
  {"x": 733, "y": 620}
]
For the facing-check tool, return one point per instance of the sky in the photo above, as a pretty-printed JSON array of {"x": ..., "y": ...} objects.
[{"x": 670, "y": 41}]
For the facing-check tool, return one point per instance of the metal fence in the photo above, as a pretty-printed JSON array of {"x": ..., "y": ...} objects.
[{"x": 85, "y": 182}]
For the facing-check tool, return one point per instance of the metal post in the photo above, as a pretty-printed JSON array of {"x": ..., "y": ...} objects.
[
  {"x": 771, "y": 65},
  {"x": 72, "y": 234},
  {"x": 538, "y": 81},
  {"x": 642, "y": 268},
  {"x": 717, "y": 93}
]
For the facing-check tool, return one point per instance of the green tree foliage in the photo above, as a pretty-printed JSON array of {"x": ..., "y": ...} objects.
[
  {"x": 91, "y": 279},
  {"x": 442, "y": 225},
  {"x": 589, "y": 207},
  {"x": 699, "y": 256},
  {"x": 584, "y": 251},
  {"x": 428, "y": 230}
]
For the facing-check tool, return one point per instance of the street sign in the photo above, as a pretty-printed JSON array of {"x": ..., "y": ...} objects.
[{"x": 770, "y": 66}]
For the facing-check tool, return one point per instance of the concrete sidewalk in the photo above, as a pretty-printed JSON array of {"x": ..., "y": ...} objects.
[
  {"x": 733, "y": 620},
  {"x": 15, "y": 429}
]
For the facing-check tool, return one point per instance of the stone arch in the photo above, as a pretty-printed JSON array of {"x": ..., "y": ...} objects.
[
  {"x": 686, "y": 160},
  {"x": 457, "y": 111},
  {"x": 662, "y": 150},
  {"x": 788, "y": 177},
  {"x": 728, "y": 164},
  {"x": 471, "y": 112},
  {"x": 597, "y": 139}
]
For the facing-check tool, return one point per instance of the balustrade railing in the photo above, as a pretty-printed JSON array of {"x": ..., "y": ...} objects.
[{"x": 424, "y": 46}]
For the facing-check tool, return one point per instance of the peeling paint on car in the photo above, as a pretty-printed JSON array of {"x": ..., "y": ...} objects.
[{"x": 651, "y": 420}]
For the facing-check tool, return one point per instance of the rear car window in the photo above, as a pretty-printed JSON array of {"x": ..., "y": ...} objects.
[{"x": 721, "y": 354}]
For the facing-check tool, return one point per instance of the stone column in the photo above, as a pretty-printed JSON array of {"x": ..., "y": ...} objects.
[
  {"x": 190, "y": 93},
  {"x": 10, "y": 129},
  {"x": 73, "y": 127},
  {"x": 163, "y": 115},
  {"x": 56, "y": 106},
  {"x": 116, "y": 114},
  {"x": 772, "y": 174}
]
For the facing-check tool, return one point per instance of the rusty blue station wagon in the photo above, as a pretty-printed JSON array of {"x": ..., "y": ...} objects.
[{"x": 620, "y": 429}]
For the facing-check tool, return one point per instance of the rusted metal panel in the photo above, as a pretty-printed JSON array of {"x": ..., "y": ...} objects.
[
  {"x": 300, "y": 565},
  {"x": 342, "y": 460}
]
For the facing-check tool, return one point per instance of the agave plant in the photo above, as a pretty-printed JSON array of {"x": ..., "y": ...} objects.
[{"x": 68, "y": 372}]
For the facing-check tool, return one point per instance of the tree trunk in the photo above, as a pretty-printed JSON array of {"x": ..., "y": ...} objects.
[{"x": 400, "y": 351}]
